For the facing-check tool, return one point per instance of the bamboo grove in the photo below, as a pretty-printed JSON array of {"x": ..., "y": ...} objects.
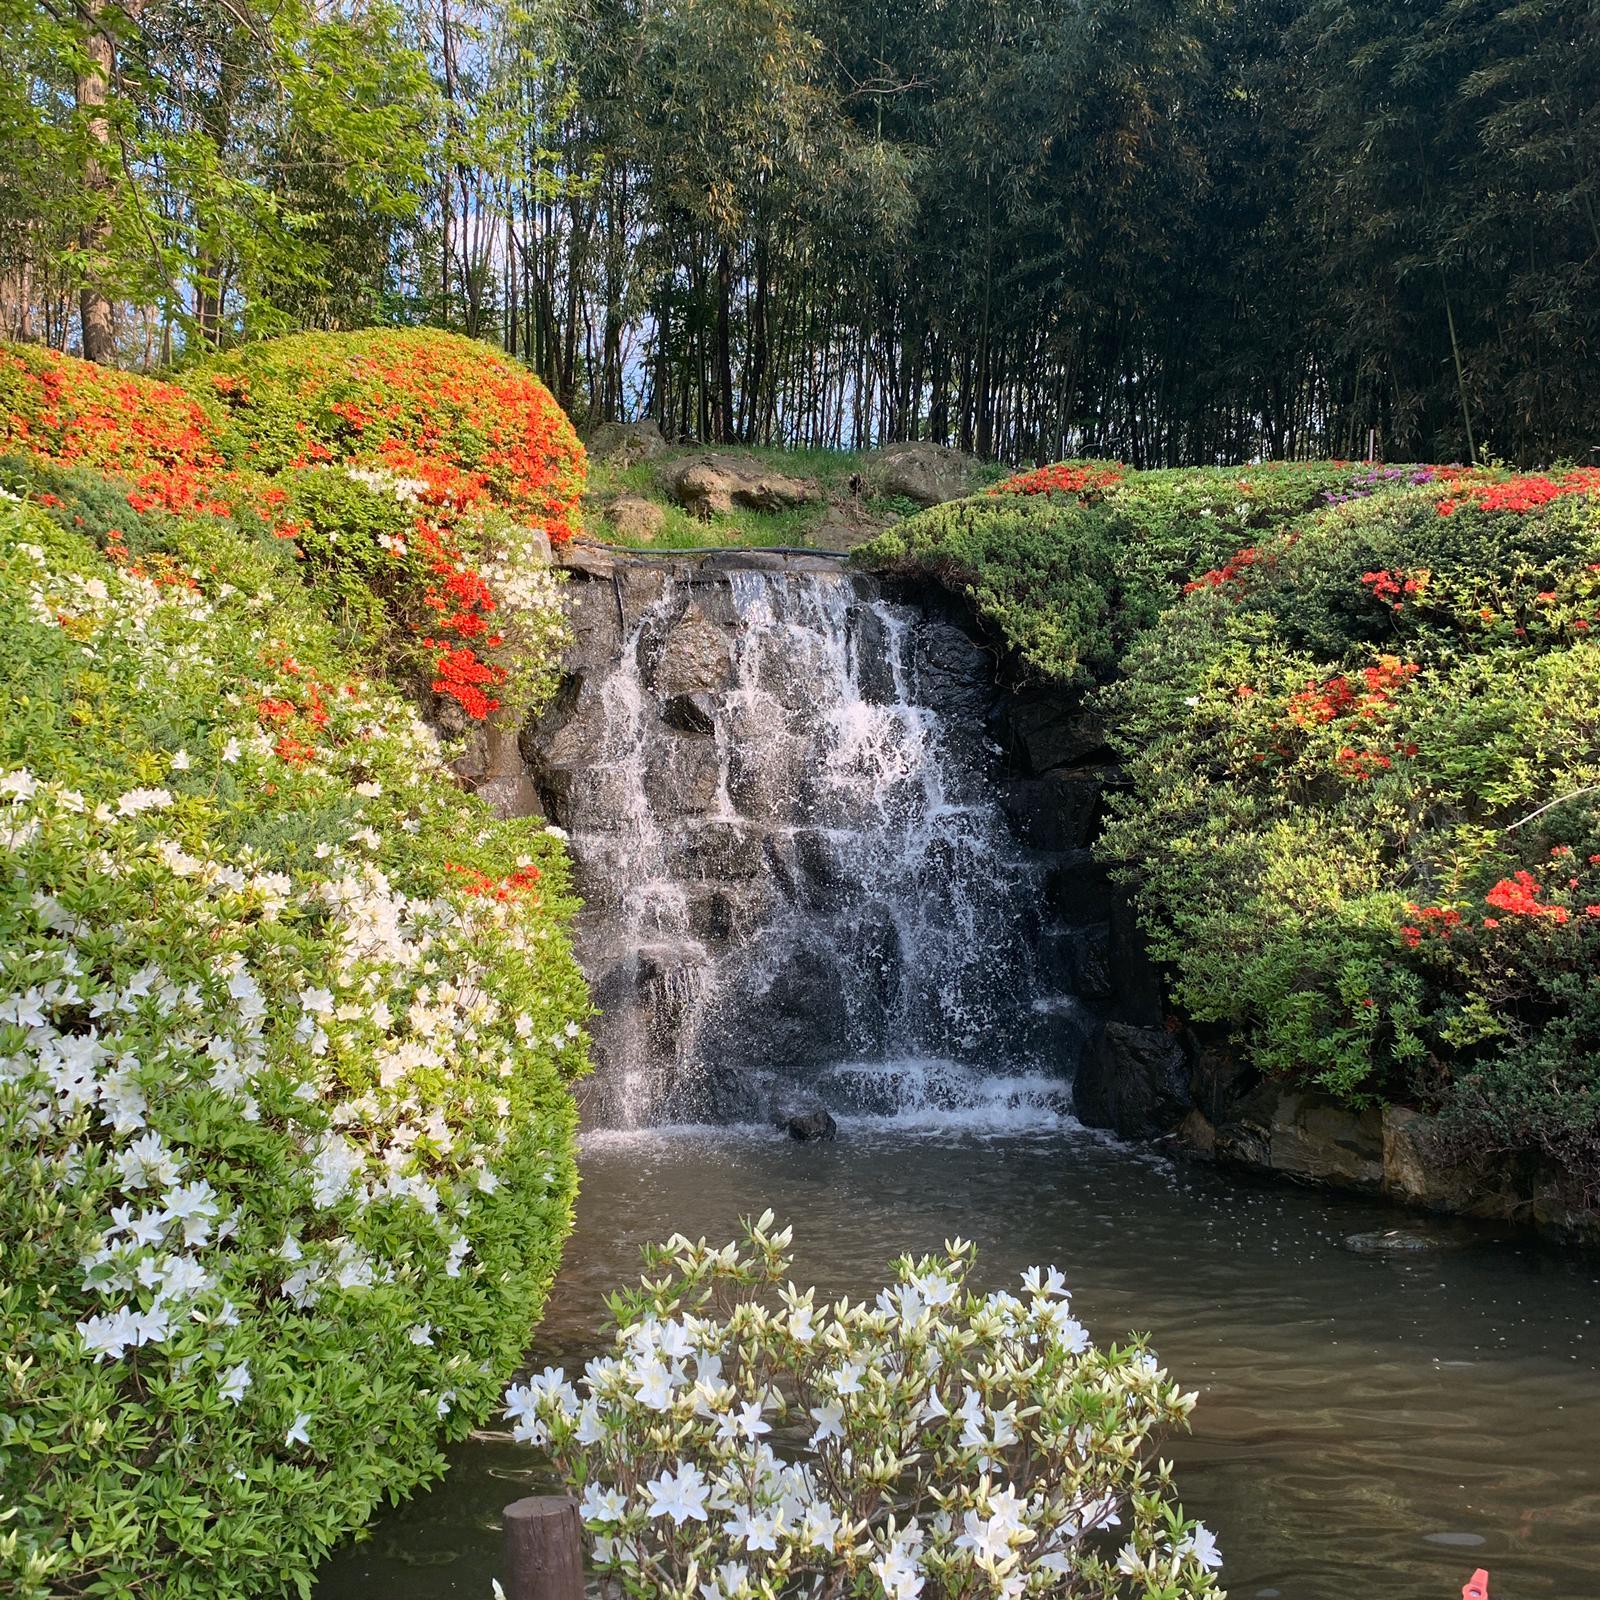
[{"x": 1169, "y": 230}]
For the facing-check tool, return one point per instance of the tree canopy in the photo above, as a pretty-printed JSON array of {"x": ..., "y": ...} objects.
[{"x": 1169, "y": 230}]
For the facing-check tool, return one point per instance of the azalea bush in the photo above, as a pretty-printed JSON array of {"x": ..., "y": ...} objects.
[
  {"x": 1362, "y": 821},
  {"x": 467, "y": 446},
  {"x": 1070, "y": 563},
  {"x": 741, "y": 1439},
  {"x": 416, "y": 476},
  {"x": 1358, "y": 708},
  {"x": 287, "y": 1028}
]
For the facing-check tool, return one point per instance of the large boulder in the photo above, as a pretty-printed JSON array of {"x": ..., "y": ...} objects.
[
  {"x": 926, "y": 474},
  {"x": 1132, "y": 1080},
  {"x": 634, "y": 517},
  {"x": 624, "y": 443},
  {"x": 712, "y": 485}
]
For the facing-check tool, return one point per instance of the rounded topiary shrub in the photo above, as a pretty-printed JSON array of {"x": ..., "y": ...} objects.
[
  {"x": 420, "y": 472},
  {"x": 463, "y": 418},
  {"x": 287, "y": 1024}
]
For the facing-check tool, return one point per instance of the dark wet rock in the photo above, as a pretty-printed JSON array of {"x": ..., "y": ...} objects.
[
  {"x": 1077, "y": 889},
  {"x": 808, "y": 1126},
  {"x": 1060, "y": 811},
  {"x": 721, "y": 913},
  {"x": 1132, "y": 1080},
  {"x": 1399, "y": 1242},
  {"x": 691, "y": 713},
  {"x": 1047, "y": 728},
  {"x": 952, "y": 673},
  {"x": 1082, "y": 957}
]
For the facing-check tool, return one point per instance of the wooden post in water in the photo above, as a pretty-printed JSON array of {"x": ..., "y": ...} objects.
[{"x": 543, "y": 1549}]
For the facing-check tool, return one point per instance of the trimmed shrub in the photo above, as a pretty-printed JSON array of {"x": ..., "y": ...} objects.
[
  {"x": 414, "y": 474},
  {"x": 287, "y": 1023},
  {"x": 1360, "y": 711},
  {"x": 1070, "y": 562},
  {"x": 470, "y": 422}
]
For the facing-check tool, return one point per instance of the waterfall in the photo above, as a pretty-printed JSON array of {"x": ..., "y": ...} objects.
[{"x": 798, "y": 877}]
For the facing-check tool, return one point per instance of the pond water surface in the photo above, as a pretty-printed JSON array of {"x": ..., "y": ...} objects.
[{"x": 1368, "y": 1429}]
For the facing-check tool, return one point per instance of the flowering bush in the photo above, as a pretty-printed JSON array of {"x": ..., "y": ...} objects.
[
  {"x": 1069, "y": 563},
  {"x": 466, "y": 421},
  {"x": 469, "y": 452},
  {"x": 154, "y": 435},
  {"x": 1085, "y": 479},
  {"x": 286, "y": 1028},
  {"x": 938, "y": 1441},
  {"x": 1359, "y": 710},
  {"x": 1350, "y": 768}
]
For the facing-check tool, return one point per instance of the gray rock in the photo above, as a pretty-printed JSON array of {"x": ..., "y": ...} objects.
[
  {"x": 807, "y": 1127},
  {"x": 680, "y": 776},
  {"x": 718, "y": 851},
  {"x": 624, "y": 443},
  {"x": 1132, "y": 1080},
  {"x": 693, "y": 657},
  {"x": 925, "y": 473}
]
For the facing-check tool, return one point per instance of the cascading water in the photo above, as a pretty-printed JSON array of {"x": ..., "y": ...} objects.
[{"x": 798, "y": 878}]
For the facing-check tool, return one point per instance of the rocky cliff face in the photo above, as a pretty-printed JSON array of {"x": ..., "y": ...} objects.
[{"x": 814, "y": 834}]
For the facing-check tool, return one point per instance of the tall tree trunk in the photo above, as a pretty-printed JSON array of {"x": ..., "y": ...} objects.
[
  {"x": 725, "y": 430},
  {"x": 93, "y": 89}
]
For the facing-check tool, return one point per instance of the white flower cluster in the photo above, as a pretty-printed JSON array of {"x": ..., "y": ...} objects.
[
  {"x": 389, "y": 484},
  {"x": 116, "y": 1040},
  {"x": 946, "y": 1443}
]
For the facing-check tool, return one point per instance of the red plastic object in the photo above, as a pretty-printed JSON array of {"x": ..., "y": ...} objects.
[{"x": 1477, "y": 1587}]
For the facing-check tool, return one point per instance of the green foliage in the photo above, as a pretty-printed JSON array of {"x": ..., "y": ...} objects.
[
  {"x": 1361, "y": 744},
  {"x": 1044, "y": 572},
  {"x": 1068, "y": 579},
  {"x": 287, "y": 1024}
]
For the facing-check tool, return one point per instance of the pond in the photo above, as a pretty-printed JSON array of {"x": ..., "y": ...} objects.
[{"x": 1367, "y": 1427}]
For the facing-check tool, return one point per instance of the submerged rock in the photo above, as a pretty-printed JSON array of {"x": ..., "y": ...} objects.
[
  {"x": 1398, "y": 1242},
  {"x": 808, "y": 1127}
]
